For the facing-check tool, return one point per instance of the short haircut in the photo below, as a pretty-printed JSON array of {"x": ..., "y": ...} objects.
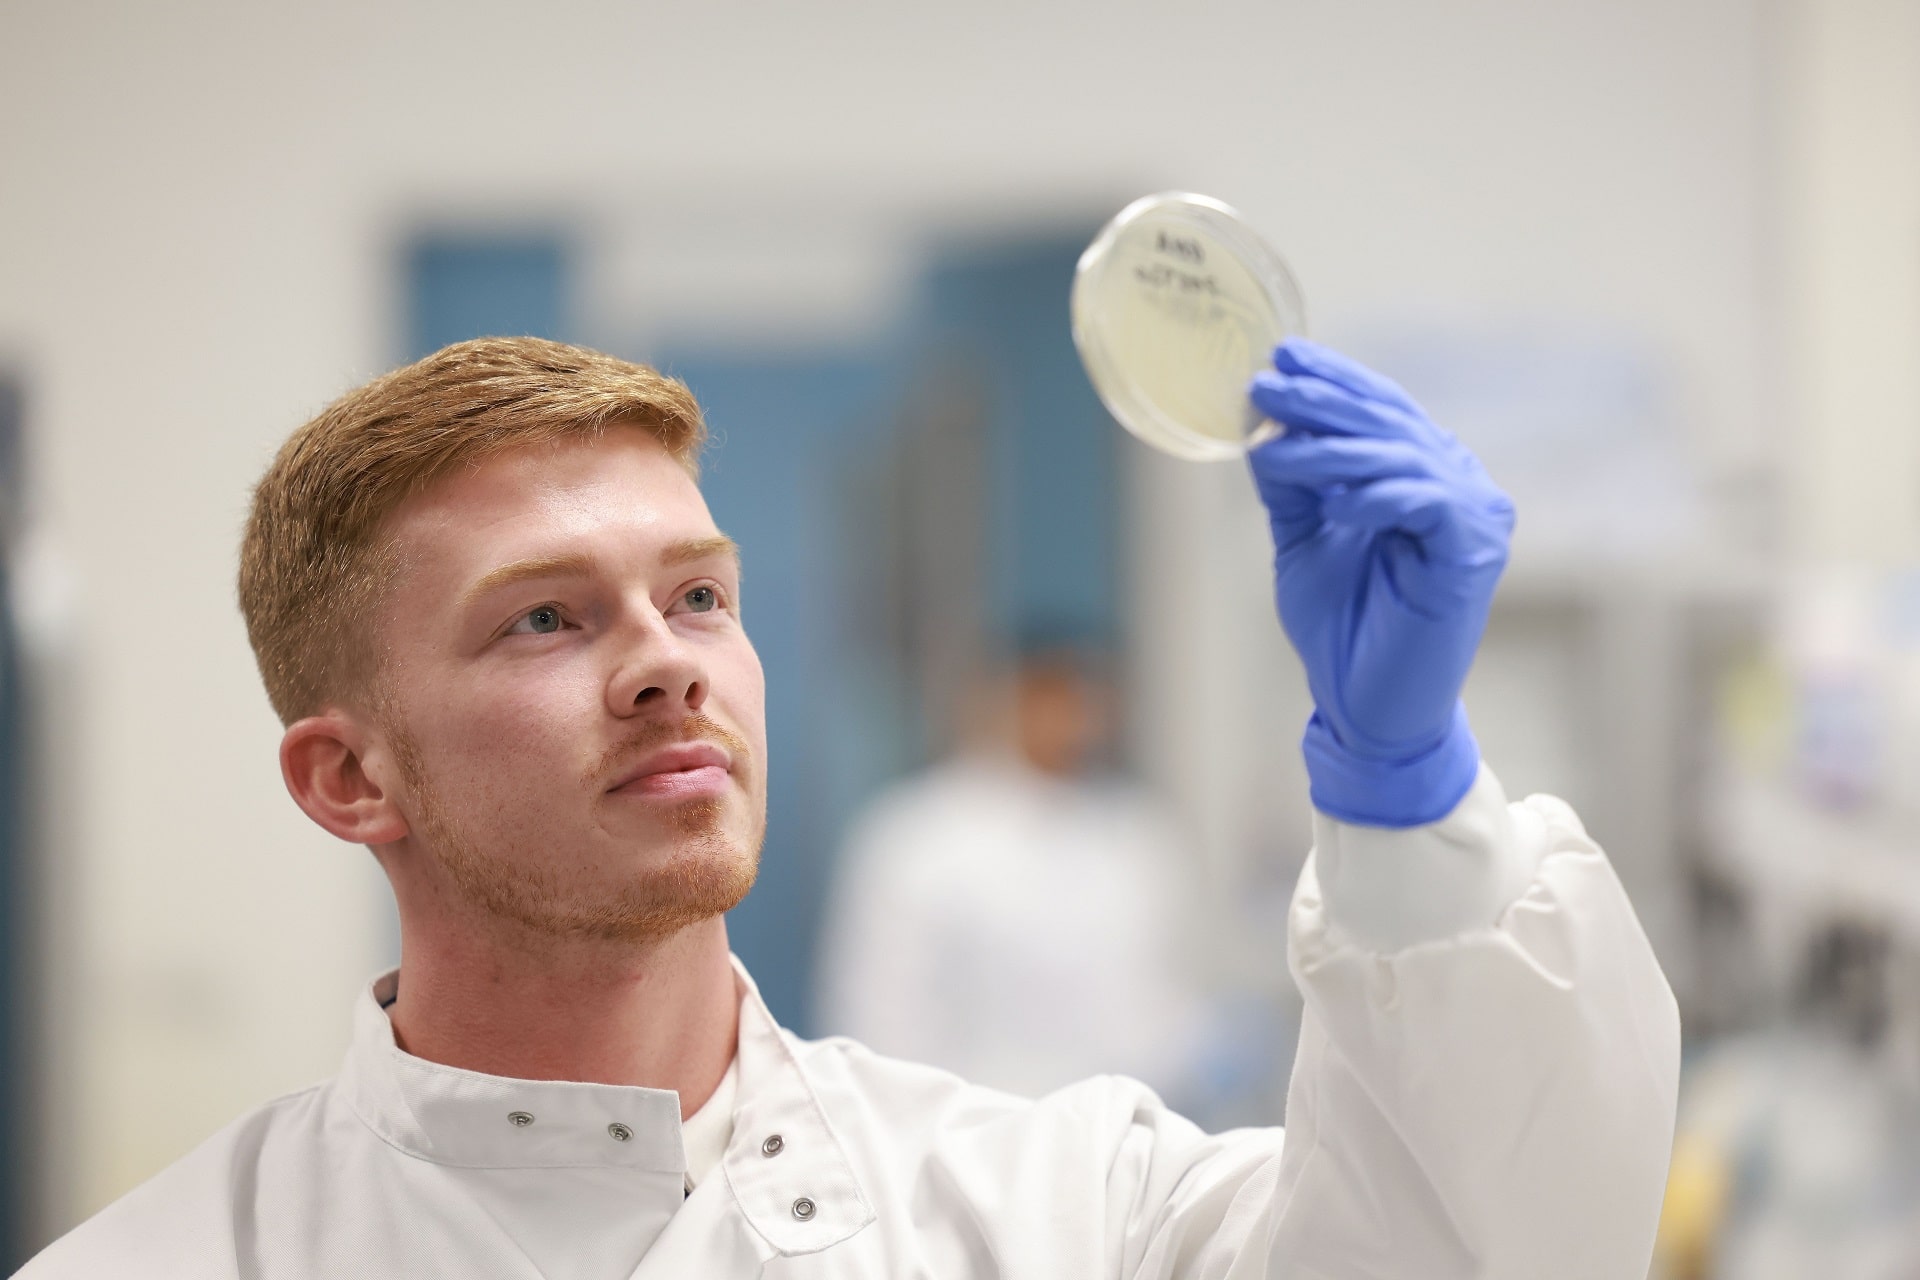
[{"x": 314, "y": 562}]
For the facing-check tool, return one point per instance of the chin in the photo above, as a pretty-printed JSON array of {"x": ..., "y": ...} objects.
[
  {"x": 711, "y": 865},
  {"x": 698, "y": 875},
  {"x": 705, "y": 876}
]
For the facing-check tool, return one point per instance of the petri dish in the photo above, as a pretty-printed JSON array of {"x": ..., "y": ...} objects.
[{"x": 1176, "y": 304}]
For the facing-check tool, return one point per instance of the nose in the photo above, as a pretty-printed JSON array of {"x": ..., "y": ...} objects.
[{"x": 657, "y": 672}]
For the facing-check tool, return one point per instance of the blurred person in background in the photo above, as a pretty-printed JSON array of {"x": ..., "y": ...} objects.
[
  {"x": 504, "y": 634},
  {"x": 1015, "y": 913}
]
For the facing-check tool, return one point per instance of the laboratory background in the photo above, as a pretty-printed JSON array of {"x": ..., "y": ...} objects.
[{"x": 1658, "y": 264}]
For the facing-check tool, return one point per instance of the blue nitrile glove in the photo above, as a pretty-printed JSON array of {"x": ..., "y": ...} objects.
[{"x": 1388, "y": 540}]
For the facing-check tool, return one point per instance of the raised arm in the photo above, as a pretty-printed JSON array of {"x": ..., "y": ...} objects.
[
  {"x": 1488, "y": 1066},
  {"x": 1487, "y": 1076}
]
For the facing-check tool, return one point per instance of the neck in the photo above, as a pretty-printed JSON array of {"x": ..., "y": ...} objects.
[{"x": 663, "y": 1015}]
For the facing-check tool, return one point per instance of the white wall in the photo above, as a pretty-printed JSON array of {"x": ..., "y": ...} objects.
[
  {"x": 1850, "y": 273},
  {"x": 196, "y": 201}
]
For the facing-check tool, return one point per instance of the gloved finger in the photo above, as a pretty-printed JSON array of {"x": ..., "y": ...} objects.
[
  {"x": 1303, "y": 403},
  {"x": 1320, "y": 461},
  {"x": 1299, "y": 356},
  {"x": 1293, "y": 512},
  {"x": 1429, "y": 511}
]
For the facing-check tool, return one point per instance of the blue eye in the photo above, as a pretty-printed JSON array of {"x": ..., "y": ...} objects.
[
  {"x": 544, "y": 620},
  {"x": 701, "y": 599}
]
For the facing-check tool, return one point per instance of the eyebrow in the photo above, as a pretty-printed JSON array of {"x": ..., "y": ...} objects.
[
  {"x": 576, "y": 565},
  {"x": 718, "y": 544},
  {"x": 518, "y": 571}
]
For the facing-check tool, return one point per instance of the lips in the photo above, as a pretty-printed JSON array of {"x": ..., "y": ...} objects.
[{"x": 684, "y": 770}]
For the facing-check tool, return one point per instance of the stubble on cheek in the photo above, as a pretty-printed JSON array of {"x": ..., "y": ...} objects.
[{"x": 706, "y": 872}]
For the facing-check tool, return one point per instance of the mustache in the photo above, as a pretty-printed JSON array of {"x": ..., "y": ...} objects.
[{"x": 650, "y": 737}]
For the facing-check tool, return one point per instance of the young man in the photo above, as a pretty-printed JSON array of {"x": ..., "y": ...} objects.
[{"x": 502, "y": 629}]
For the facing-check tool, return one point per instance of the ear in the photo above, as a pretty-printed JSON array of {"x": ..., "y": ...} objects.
[{"x": 321, "y": 759}]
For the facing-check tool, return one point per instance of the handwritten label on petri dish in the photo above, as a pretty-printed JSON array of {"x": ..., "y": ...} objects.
[{"x": 1172, "y": 323}]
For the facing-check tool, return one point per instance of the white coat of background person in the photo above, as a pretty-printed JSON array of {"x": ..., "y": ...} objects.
[
  {"x": 1012, "y": 915},
  {"x": 496, "y": 617}
]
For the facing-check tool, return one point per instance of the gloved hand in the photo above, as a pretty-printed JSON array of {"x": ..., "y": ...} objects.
[{"x": 1388, "y": 541}]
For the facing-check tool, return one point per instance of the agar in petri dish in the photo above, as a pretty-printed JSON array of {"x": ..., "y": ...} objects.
[{"x": 1176, "y": 304}]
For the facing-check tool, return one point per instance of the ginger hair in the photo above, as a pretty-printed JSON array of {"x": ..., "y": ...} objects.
[{"x": 314, "y": 563}]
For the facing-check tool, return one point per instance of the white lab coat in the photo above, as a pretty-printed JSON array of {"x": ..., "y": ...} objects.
[
  {"x": 1485, "y": 1088},
  {"x": 1019, "y": 930}
]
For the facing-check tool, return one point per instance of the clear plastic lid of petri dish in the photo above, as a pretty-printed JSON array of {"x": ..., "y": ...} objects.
[{"x": 1176, "y": 305}]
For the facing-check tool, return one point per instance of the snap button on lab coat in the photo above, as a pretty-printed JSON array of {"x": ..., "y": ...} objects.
[
  {"x": 803, "y": 1208},
  {"x": 773, "y": 1146},
  {"x": 519, "y": 1119},
  {"x": 619, "y": 1132}
]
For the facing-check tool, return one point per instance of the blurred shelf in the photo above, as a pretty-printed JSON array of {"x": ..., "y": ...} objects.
[{"x": 1819, "y": 863}]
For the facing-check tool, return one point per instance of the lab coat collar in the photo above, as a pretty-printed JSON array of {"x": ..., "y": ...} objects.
[
  {"x": 802, "y": 1199},
  {"x": 472, "y": 1120},
  {"x": 776, "y": 1099}
]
